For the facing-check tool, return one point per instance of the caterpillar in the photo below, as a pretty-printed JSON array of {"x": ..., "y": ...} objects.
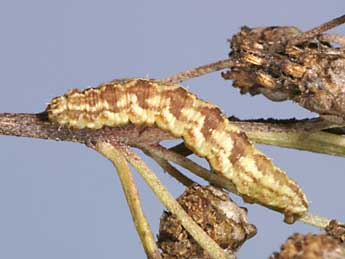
[{"x": 202, "y": 125}]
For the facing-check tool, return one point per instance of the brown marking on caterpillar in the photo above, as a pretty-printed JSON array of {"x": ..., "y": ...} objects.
[
  {"x": 241, "y": 143},
  {"x": 202, "y": 126},
  {"x": 213, "y": 118},
  {"x": 143, "y": 90},
  {"x": 181, "y": 99},
  {"x": 110, "y": 95}
]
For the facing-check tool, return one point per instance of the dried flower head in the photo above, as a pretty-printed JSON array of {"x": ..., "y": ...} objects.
[
  {"x": 311, "y": 72},
  {"x": 215, "y": 212},
  {"x": 311, "y": 246}
]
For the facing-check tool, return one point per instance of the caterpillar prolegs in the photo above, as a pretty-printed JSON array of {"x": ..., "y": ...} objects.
[{"x": 205, "y": 130}]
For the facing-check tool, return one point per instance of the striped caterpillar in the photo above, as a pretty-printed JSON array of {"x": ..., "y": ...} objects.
[{"x": 205, "y": 130}]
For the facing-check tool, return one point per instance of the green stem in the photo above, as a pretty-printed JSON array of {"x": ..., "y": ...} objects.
[
  {"x": 207, "y": 243},
  {"x": 162, "y": 152},
  {"x": 171, "y": 170},
  {"x": 315, "y": 220},
  {"x": 132, "y": 196},
  {"x": 319, "y": 142},
  {"x": 298, "y": 135}
]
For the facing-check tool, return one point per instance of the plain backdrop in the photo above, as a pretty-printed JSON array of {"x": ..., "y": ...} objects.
[{"x": 62, "y": 200}]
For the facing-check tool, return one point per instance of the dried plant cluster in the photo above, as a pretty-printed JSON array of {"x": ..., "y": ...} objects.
[
  {"x": 215, "y": 212},
  {"x": 281, "y": 63},
  {"x": 311, "y": 247},
  {"x": 309, "y": 71}
]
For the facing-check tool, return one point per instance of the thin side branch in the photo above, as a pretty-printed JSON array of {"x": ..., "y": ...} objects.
[
  {"x": 141, "y": 224},
  {"x": 319, "y": 142},
  {"x": 166, "y": 166},
  {"x": 305, "y": 36},
  {"x": 162, "y": 152},
  {"x": 199, "y": 71},
  {"x": 314, "y": 220}
]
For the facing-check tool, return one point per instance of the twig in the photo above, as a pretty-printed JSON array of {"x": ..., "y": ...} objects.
[
  {"x": 37, "y": 126},
  {"x": 141, "y": 224},
  {"x": 172, "y": 205},
  {"x": 319, "y": 142},
  {"x": 317, "y": 30},
  {"x": 166, "y": 166},
  {"x": 162, "y": 152},
  {"x": 314, "y": 220},
  {"x": 199, "y": 71}
]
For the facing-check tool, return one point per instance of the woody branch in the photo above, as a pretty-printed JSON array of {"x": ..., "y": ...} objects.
[{"x": 147, "y": 138}]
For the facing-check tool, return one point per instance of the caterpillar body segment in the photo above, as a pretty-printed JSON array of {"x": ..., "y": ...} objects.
[{"x": 205, "y": 130}]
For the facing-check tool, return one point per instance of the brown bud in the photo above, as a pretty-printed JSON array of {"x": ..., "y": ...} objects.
[{"x": 215, "y": 212}]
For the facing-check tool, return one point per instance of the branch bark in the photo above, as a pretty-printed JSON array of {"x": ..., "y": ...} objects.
[{"x": 38, "y": 126}]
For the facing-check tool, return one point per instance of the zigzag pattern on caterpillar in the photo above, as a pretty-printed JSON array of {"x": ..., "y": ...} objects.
[{"x": 205, "y": 130}]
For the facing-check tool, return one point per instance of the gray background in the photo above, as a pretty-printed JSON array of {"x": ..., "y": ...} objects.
[{"x": 62, "y": 200}]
